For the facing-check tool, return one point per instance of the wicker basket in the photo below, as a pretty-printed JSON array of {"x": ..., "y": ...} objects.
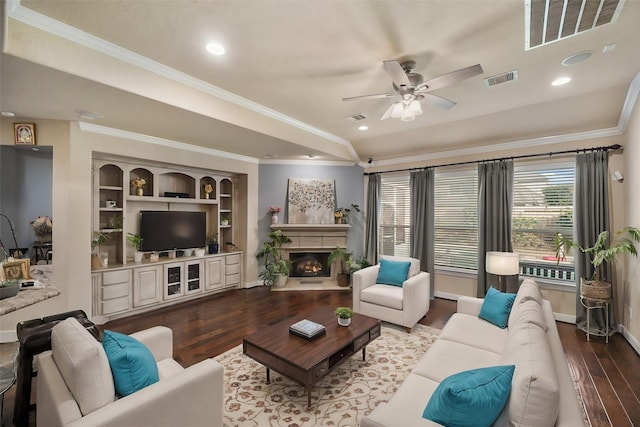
[
  {"x": 595, "y": 289},
  {"x": 343, "y": 280}
]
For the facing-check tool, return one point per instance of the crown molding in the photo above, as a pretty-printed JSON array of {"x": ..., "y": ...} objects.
[
  {"x": 37, "y": 20},
  {"x": 119, "y": 133},
  {"x": 304, "y": 162}
]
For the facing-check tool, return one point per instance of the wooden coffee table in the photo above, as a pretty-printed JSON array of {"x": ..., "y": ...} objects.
[{"x": 307, "y": 362}]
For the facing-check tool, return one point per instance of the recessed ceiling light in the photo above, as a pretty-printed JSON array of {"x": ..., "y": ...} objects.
[
  {"x": 561, "y": 81},
  {"x": 215, "y": 48},
  {"x": 577, "y": 58},
  {"x": 608, "y": 48},
  {"x": 363, "y": 127},
  {"x": 8, "y": 114},
  {"x": 89, "y": 115}
]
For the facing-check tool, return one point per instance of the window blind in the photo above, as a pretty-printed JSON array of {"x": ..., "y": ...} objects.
[{"x": 393, "y": 233}]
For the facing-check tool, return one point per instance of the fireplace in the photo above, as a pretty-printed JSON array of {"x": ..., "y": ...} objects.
[{"x": 309, "y": 264}]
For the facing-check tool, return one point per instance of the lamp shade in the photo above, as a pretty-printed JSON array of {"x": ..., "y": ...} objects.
[{"x": 503, "y": 263}]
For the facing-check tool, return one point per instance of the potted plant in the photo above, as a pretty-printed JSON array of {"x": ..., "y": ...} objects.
[
  {"x": 212, "y": 243},
  {"x": 98, "y": 240},
  {"x": 624, "y": 242},
  {"x": 276, "y": 267},
  {"x": 230, "y": 247},
  {"x": 136, "y": 242},
  {"x": 342, "y": 214},
  {"x": 9, "y": 288},
  {"x": 344, "y": 316},
  {"x": 342, "y": 258}
]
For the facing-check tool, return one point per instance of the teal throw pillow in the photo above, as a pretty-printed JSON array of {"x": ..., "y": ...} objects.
[
  {"x": 496, "y": 307},
  {"x": 393, "y": 272},
  {"x": 472, "y": 398},
  {"x": 132, "y": 364}
]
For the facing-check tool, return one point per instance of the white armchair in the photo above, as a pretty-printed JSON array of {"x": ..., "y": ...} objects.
[
  {"x": 401, "y": 305},
  {"x": 75, "y": 387}
]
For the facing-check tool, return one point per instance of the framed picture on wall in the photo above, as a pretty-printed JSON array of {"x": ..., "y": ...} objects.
[
  {"x": 18, "y": 270},
  {"x": 311, "y": 201},
  {"x": 24, "y": 133}
]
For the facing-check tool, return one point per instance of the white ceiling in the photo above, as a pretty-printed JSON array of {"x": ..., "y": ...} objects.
[{"x": 278, "y": 91}]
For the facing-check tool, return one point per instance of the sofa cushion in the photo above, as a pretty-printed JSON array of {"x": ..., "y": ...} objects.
[
  {"x": 527, "y": 312},
  {"x": 393, "y": 272},
  {"x": 496, "y": 307},
  {"x": 384, "y": 295},
  {"x": 468, "y": 329},
  {"x": 415, "y": 263},
  {"x": 83, "y": 365},
  {"x": 472, "y": 398},
  {"x": 132, "y": 363},
  {"x": 534, "y": 398}
]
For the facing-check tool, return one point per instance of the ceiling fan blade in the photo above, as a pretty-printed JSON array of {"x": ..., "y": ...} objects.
[
  {"x": 438, "y": 101},
  {"x": 453, "y": 77},
  {"x": 397, "y": 74},
  {"x": 376, "y": 96},
  {"x": 387, "y": 113}
]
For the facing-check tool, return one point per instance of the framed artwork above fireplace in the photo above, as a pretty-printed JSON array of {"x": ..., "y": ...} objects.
[{"x": 311, "y": 201}]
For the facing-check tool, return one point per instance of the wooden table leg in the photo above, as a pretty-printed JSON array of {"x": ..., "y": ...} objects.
[
  {"x": 309, "y": 398},
  {"x": 364, "y": 353},
  {"x": 268, "y": 376}
]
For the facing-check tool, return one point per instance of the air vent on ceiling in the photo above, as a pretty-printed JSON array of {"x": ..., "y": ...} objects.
[
  {"x": 547, "y": 21},
  {"x": 501, "y": 78},
  {"x": 356, "y": 117}
]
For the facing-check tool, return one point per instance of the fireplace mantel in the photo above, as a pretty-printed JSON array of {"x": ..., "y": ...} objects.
[
  {"x": 311, "y": 227},
  {"x": 317, "y": 237}
]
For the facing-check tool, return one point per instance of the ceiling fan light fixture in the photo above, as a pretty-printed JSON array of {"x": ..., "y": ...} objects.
[
  {"x": 415, "y": 107},
  {"x": 407, "y": 114},
  {"x": 398, "y": 110}
]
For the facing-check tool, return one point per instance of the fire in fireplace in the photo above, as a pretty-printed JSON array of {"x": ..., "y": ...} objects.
[{"x": 309, "y": 264}]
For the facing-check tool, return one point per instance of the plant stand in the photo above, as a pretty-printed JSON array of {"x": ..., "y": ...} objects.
[{"x": 592, "y": 304}]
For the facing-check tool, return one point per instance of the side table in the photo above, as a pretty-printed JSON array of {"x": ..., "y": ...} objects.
[{"x": 593, "y": 304}]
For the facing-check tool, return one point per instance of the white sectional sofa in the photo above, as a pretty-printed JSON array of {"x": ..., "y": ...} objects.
[
  {"x": 542, "y": 391},
  {"x": 75, "y": 385}
]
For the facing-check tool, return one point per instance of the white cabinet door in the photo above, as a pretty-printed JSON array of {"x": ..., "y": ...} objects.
[
  {"x": 214, "y": 268},
  {"x": 193, "y": 277},
  {"x": 147, "y": 285},
  {"x": 174, "y": 274}
]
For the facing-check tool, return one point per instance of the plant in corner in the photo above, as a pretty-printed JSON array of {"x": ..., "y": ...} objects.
[
  {"x": 136, "y": 242},
  {"x": 624, "y": 242},
  {"x": 344, "y": 315},
  {"x": 342, "y": 258},
  {"x": 276, "y": 267}
]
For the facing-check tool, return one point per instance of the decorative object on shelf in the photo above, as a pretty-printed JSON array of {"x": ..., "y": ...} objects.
[
  {"x": 230, "y": 247},
  {"x": 114, "y": 222},
  {"x": 342, "y": 214},
  {"x": 15, "y": 269},
  {"x": 43, "y": 227},
  {"x": 139, "y": 183},
  {"x": 136, "y": 242},
  {"x": 24, "y": 133},
  {"x": 212, "y": 243},
  {"x": 98, "y": 240},
  {"x": 344, "y": 316},
  {"x": 199, "y": 251},
  {"x": 9, "y": 288},
  {"x": 343, "y": 261},
  {"x": 110, "y": 204},
  {"x": 274, "y": 211},
  {"x": 208, "y": 189},
  {"x": 311, "y": 201},
  {"x": 224, "y": 222},
  {"x": 502, "y": 264},
  {"x": 154, "y": 257},
  {"x": 624, "y": 242},
  {"x": 276, "y": 267}
]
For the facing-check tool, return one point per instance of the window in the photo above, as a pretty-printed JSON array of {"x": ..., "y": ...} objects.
[
  {"x": 456, "y": 218},
  {"x": 395, "y": 212},
  {"x": 542, "y": 207}
]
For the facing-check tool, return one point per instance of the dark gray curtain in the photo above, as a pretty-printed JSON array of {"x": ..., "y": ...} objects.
[
  {"x": 591, "y": 217},
  {"x": 422, "y": 221},
  {"x": 495, "y": 200},
  {"x": 371, "y": 227}
]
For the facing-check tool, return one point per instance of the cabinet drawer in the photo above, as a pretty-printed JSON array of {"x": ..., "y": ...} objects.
[
  {"x": 115, "y": 291},
  {"x": 360, "y": 341},
  {"x": 115, "y": 305},
  {"x": 232, "y": 259},
  {"x": 232, "y": 269},
  {"x": 118, "y": 276},
  {"x": 232, "y": 279},
  {"x": 320, "y": 369}
]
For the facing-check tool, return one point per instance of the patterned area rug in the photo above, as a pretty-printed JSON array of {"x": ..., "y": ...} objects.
[{"x": 342, "y": 398}]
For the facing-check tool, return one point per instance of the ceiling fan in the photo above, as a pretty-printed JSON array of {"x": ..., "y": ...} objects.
[{"x": 410, "y": 89}]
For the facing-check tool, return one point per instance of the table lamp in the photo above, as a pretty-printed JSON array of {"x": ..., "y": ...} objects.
[{"x": 502, "y": 264}]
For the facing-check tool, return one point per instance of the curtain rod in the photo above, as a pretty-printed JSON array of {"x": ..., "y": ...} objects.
[{"x": 524, "y": 156}]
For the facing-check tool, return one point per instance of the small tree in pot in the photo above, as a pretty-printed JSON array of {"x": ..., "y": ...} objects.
[
  {"x": 344, "y": 315},
  {"x": 624, "y": 242},
  {"x": 342, "y": 258},
  {"x": 276, "y": 267},
  {"x": 136, "y": 242}
]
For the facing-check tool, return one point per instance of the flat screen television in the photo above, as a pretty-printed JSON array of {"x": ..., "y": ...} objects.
[{"x": 168, "y": 230}]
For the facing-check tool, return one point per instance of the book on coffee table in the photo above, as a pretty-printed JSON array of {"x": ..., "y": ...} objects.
[{"x": 307, "y": 329}]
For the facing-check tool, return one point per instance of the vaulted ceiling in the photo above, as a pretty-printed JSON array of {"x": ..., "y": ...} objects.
[{"x": 277, "y": 92}]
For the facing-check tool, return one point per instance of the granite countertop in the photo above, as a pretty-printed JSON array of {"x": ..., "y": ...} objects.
[{"x": 42, "y": 290}]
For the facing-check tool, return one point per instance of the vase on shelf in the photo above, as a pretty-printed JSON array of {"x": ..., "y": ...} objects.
[
  {"x": 44, "y": 238},
  {"x": 139, "y": 191},
  {"x": 274, "y": 219}
]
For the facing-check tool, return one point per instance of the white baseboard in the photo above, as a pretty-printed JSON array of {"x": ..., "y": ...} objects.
[
  {"x": 630, "y": 338},
  {"x": 566, "y": 318},
  {"x": 254, "y": 284},
  {"x": 8, "y": 336},
  {"x": 446, "y": 295}
]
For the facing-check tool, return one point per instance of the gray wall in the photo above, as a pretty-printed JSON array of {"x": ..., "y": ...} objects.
[
  {"x": 349, "y": 183},
  {"x": 25, "y": 191}
]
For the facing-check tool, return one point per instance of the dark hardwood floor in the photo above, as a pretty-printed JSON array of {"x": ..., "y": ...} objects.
[{"x": 609, "y": 374}]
